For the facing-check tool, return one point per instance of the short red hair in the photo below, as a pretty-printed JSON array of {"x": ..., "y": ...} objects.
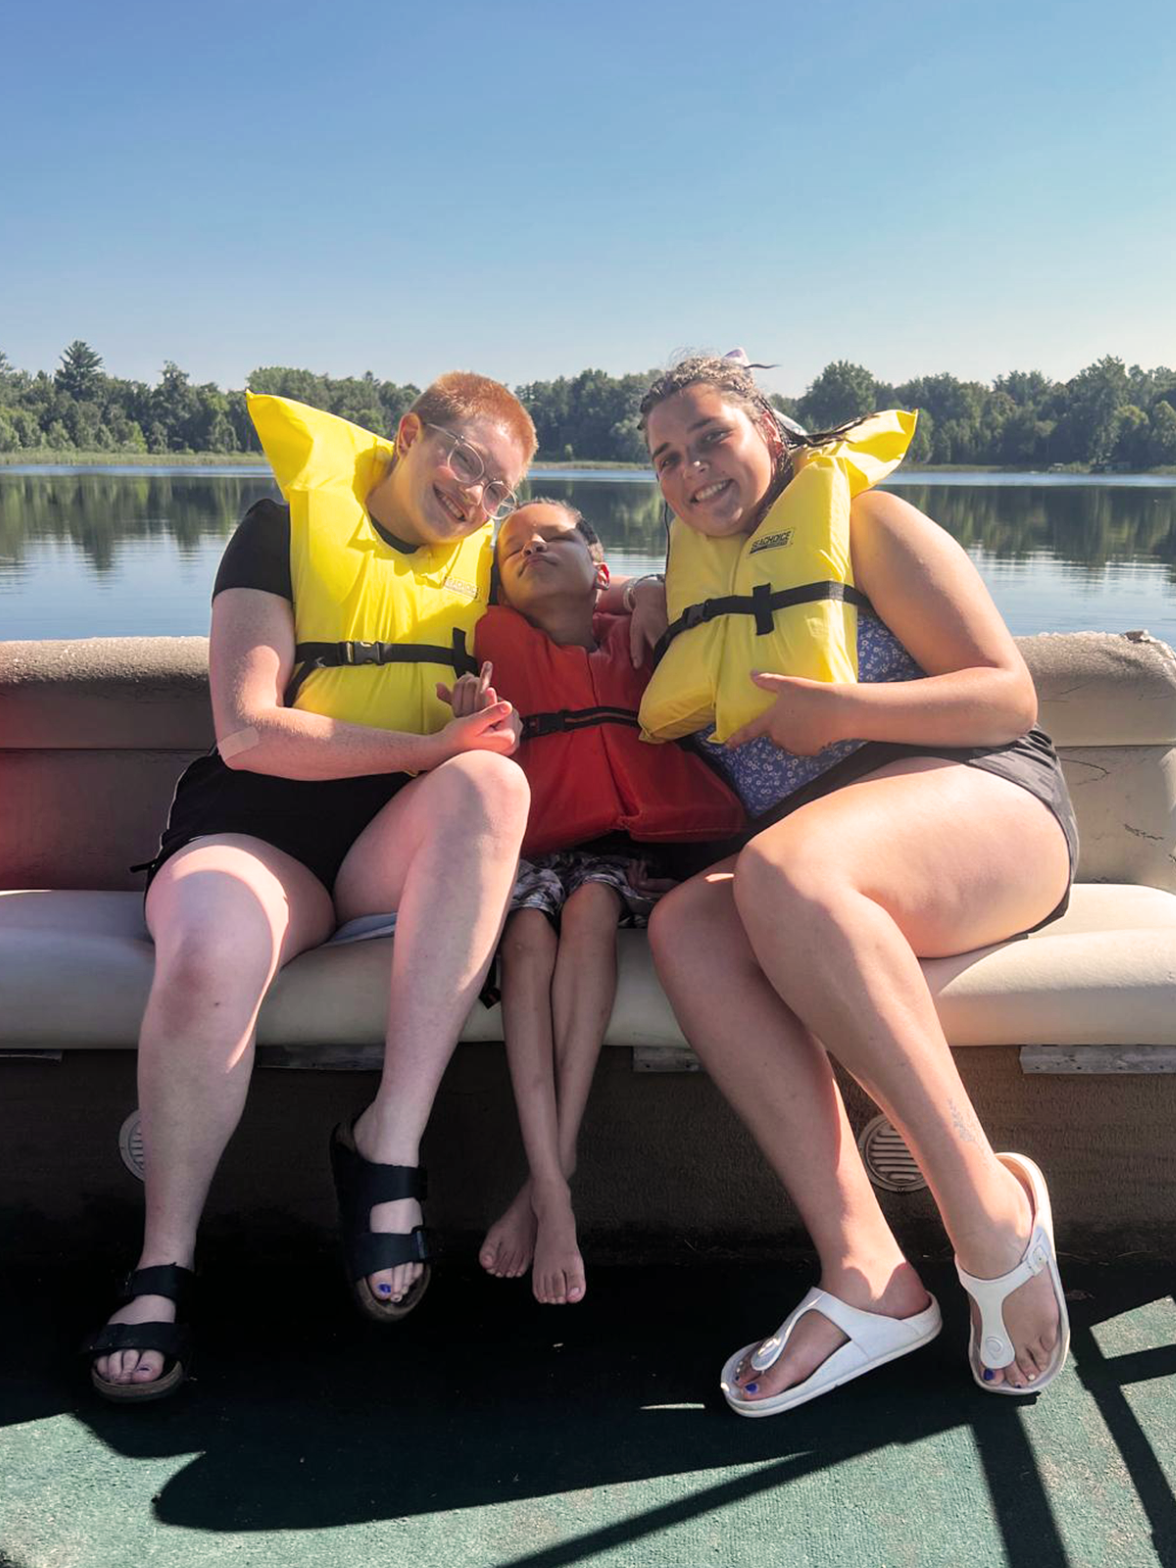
[{"x": 460, "y": 394}]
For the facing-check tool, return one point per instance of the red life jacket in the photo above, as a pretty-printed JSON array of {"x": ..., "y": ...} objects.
[{"x": 589, "y": 770}]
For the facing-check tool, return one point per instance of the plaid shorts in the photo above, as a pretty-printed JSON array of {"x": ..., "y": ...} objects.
[{"x": 547, "y": 882}]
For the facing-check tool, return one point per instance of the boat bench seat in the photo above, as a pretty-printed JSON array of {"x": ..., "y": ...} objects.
[
  {"x": 93, "y": 734},
  {"x": 75, "y": 969}
]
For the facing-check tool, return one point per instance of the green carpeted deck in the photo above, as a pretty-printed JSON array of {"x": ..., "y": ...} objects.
[{"x": 490, "y": 1431}]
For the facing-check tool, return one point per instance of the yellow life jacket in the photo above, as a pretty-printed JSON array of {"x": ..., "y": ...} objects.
[
  {"x": 780, "y": 599},
  {"x": 375, "y": 627}
]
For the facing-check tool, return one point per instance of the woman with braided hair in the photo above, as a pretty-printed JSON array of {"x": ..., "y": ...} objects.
[{"x": 904, "y": 807}]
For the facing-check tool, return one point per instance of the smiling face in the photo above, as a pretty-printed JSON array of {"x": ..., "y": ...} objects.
[
  {"x": 711, "y": 459},
  {"x": 543, "y": 558},
  {"x": 422, "y": 500}
]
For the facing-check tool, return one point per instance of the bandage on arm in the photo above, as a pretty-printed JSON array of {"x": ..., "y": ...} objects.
[{"x": 234, "y": 745}]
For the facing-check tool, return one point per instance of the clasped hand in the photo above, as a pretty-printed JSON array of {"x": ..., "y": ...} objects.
[
  {"x": 480, "y": 721},
  {"x": 806, "y": 716}
]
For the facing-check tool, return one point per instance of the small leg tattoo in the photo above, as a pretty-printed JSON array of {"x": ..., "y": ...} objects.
[{"x": 964, "y": 1123}]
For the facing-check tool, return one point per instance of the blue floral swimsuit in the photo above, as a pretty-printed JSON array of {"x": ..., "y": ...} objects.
[
  {"x": 772, "y": 782},
  {"x": 762, "y": 773}
]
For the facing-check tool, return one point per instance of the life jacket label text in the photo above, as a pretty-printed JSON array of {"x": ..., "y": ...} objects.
[{"x": 772, "y": 542}]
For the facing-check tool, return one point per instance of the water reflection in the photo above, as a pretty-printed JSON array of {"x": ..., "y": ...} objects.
[
  {"x": 95, "y": 513},
  {"x": 72, "y": 542},
  {"x": 1083, "y": 525}
]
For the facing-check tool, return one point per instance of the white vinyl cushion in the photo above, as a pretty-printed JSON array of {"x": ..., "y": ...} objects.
[{"x": 75, "y": 969}]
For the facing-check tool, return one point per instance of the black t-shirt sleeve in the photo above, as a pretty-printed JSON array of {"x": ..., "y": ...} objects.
[{"x": 258, "y": 554}]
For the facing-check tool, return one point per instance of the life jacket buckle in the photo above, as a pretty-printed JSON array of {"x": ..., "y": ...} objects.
[
  {"x": 364, "y": 653},
  {"x": 536, "y": 724},
  {"x": 697, "y": 614}
]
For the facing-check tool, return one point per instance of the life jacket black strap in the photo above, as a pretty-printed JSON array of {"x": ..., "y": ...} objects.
[
  {"x": 577, "y": 719},
  {"x": 760, "y": 602},
  {"x": 311, "y": 656}
]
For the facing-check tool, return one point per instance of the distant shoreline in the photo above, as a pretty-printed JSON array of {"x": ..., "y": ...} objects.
[{"x": 40, "y": 458}]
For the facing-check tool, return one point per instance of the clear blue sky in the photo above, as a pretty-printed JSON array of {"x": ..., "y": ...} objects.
[{"x": 529, "y": 189}]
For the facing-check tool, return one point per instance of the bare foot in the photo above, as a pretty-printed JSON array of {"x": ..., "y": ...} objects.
[
  {"x": 399, "y": 1218},
  {"x": 510, "y": 1242},
  {"x": 557, "y": 1275},
  {"x": 1031, "y": 1312},
  {"x": 899, "y": 1294}
]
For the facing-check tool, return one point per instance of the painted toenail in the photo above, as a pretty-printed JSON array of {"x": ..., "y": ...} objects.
[
  {"x": 751, "y": 1388},
  {"x": 385, "y": 1290},
  {"x": 989, "y": 1374}
]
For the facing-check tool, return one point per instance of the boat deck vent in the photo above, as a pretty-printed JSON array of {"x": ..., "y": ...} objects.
[
  {"x": 130, "y": 1145},
  {"x": 888, "y": 1160}
]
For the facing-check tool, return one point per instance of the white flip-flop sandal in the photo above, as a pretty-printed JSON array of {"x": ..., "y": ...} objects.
[
  {"x": 990, "y": 1346},
  {"x": 873, "y": 1341}
]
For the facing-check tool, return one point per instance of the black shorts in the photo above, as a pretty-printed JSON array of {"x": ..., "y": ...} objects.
[
  {"x": 314, "y": 820},
  {"x": 1029, "y": 761}
]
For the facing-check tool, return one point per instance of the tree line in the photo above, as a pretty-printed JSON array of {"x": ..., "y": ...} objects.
[{"x": 1108, "y": 415}]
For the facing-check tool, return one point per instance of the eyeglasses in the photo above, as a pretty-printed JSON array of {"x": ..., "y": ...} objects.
[{"x": 469, "y": 470}]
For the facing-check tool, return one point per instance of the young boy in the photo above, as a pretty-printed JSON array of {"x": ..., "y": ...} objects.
[{"x": 601, "y": 801}]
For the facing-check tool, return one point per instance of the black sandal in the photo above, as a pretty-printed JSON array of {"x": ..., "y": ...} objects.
[
  {"x": 359, "y": 1185},
  {"x": 172, "y": 1340}
]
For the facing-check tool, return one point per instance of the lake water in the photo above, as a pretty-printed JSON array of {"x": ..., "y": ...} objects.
[{"x": 133, "y": 552}]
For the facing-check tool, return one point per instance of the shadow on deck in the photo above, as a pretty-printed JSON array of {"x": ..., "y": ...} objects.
[{"x": 488, "y": 1430}]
